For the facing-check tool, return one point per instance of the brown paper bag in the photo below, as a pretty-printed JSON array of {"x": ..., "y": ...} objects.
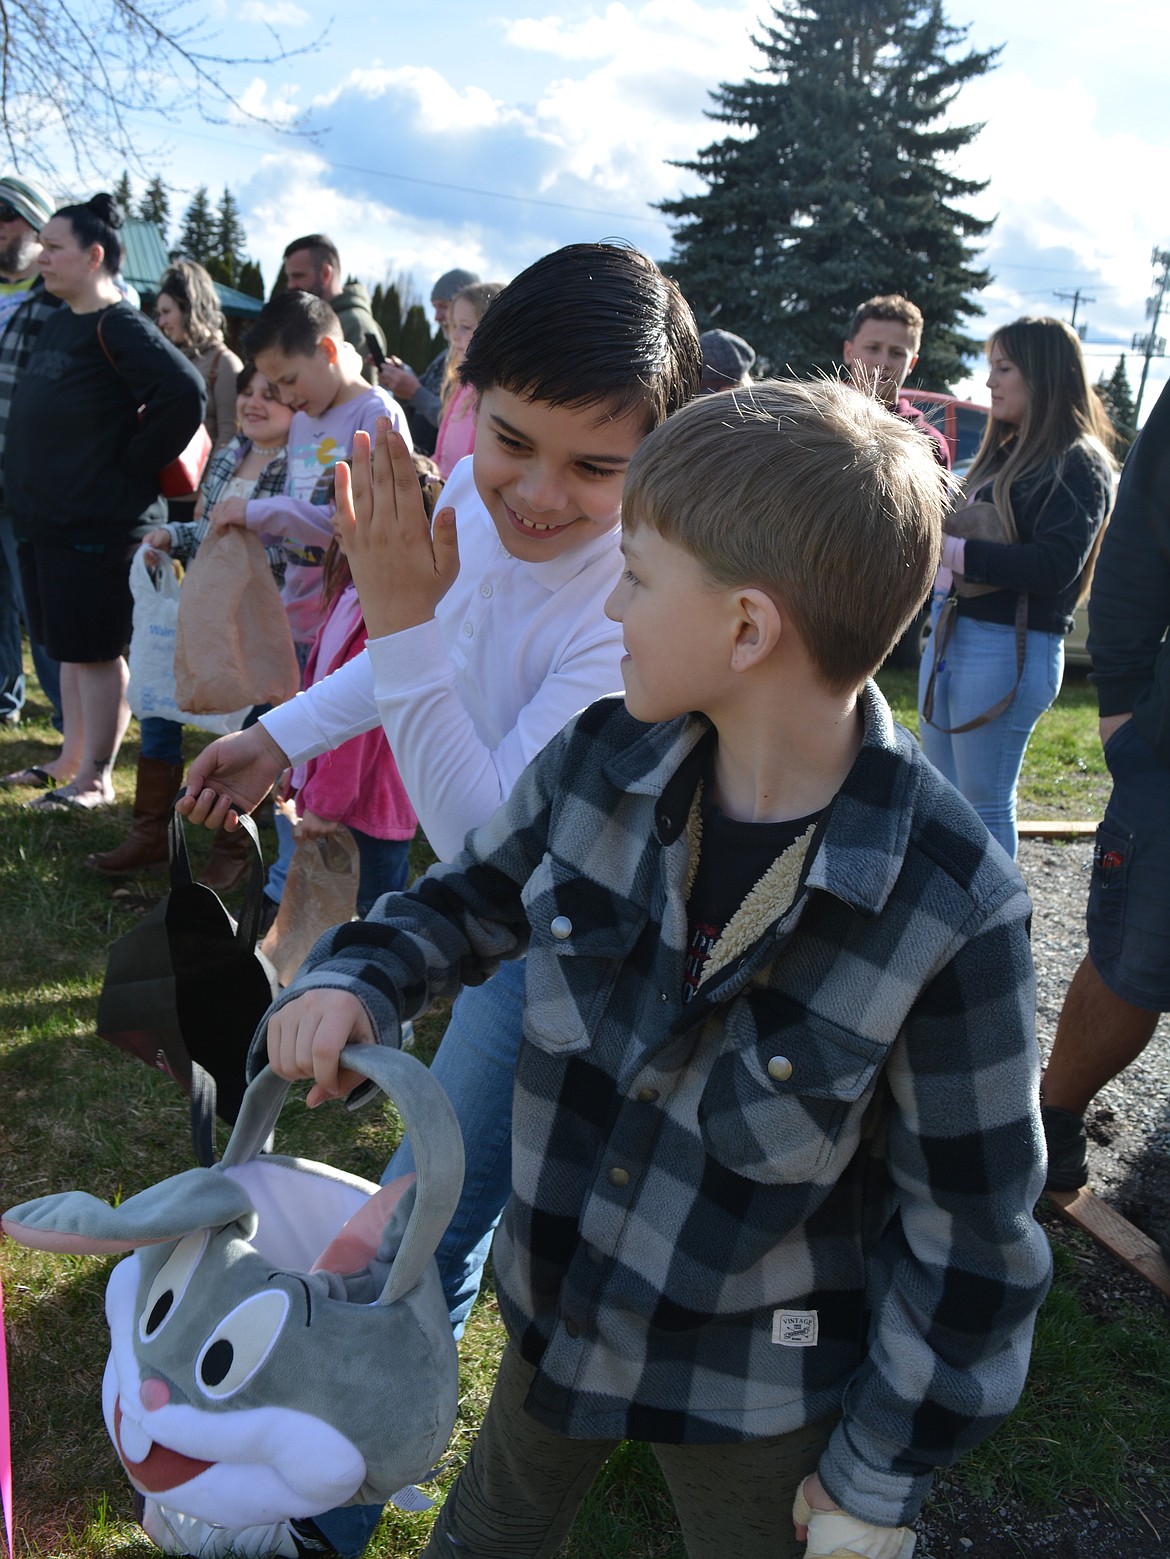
[
  {"x": 320, "y": 892},
  {"x": 233, "y": 646}
]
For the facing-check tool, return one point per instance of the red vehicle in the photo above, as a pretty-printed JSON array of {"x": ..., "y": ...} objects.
[{"x": 960, "y": 422}]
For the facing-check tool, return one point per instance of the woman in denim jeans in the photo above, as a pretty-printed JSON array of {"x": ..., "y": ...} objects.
[{"x": 1044, "y": 462}]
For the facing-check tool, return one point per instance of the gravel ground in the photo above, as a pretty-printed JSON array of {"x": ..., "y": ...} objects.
[{"x": 1129, "y": 1166}]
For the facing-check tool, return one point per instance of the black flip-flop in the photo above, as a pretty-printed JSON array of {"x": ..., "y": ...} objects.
[
  {"x": 32, "y": 778},
  {"x": 65, "y": 800}
]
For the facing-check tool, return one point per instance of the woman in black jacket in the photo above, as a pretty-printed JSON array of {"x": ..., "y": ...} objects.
[
  {"x": 1044, "y": 464},
  {"x": 104, "y": 404}
]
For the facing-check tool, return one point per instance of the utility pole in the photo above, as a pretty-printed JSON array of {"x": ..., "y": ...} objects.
[
  {"x": 1152, "y": 345},
  {"x": 1075, "y": 298}
]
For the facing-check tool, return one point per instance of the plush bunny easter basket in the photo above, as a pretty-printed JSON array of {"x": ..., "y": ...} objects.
[{"x": 280, "y": 1343}]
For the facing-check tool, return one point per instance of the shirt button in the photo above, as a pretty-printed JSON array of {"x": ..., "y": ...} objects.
[
  {"x": 647, "y": 1095},
  {"x": 468, "y": 630},
  {"x": 572, "y": 1328},
  {"x": 780, "y": 1068},
  {"x": 619, "y": 1177},
  {"x": 561, "y": 927},
  {"x": 485, "y": 590}
]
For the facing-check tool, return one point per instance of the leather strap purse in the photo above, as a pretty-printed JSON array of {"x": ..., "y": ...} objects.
[{"x": 180, "y": 477}]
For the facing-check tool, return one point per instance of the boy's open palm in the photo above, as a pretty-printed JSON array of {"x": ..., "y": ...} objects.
[{"x": 401, "y": 568}]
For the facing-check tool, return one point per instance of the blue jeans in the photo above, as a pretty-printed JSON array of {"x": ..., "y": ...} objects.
[
  {"x": 161, "y": 739},
  {"x": 1128, "y": 916},
  {"x": 979, "y": 668},
  {"x": 476, "y": 1064},
  {"x": 384, "y": 868},
  {"x": 12, "y": 688}
]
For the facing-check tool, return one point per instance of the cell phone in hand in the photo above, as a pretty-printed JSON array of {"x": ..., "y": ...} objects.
[{"x": 374, "y": 348}]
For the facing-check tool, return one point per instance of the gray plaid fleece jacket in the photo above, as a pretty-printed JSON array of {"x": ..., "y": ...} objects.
[{"x": 807, "y": 1192}]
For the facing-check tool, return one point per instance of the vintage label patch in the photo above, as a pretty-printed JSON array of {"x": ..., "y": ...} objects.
[{"x": 795, "y": 1328}]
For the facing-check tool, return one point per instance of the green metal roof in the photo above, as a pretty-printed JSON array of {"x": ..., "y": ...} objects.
[
  {"x": 144, "y": 255},
  {"x": 145, "y": 258}
]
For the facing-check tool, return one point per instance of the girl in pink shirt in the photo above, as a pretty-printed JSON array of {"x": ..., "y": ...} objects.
[
  {"x": 457, "y": 425},
  {"x": 357, "y": 784}
]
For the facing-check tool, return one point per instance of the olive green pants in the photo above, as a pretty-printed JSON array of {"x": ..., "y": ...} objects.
[{"x": 523, "y": 1484}]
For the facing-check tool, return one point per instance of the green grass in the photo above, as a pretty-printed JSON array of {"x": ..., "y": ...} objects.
[
  {"x": 75, "y": 1112},
  {"x": 1064, "y": 773}
]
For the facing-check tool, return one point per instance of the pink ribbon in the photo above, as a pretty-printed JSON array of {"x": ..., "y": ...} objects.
[{"x": 5, "y": 1430}]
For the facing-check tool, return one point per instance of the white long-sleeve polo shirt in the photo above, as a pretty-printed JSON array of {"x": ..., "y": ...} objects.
[{"x": 467, "y": 700}]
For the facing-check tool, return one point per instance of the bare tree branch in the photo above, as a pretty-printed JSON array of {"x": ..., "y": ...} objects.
[{"x": 81, "y": 70}]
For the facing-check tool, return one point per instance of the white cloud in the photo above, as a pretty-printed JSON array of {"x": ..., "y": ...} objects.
[{"x": 257, "y": 101}]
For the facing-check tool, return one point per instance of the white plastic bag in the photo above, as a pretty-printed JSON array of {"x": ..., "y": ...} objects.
[{"x": 151, "y": 693}]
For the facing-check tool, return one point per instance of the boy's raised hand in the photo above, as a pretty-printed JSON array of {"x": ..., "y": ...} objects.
[{"x": 401, "y": 568}]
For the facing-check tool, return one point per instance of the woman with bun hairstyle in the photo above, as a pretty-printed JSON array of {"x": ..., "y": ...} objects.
[
  {"x": 104, "y": 404},
  {"x": 189, "y": 315},
  {"x": 1043, "y": 462},
  {"x": 251, "y": 465}
]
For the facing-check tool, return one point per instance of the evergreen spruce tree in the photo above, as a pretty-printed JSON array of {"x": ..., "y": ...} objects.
[
  {"x": 155, "y": 206},
  {"x": 198, "y": 235},
  {"x": 124, "y": 194},
  {"x": 415, "y": 346},
  {"x": 389, "y": 316},
  {"x": 837, "y": 184},
  {"x": 230, "y": 238},
  {"x": 251, "y": 279},
  {"x": 1117, "y": 397}
]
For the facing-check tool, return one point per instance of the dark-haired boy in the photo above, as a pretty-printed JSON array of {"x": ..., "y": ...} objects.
[
  {"x": 776, "y": 1139},
  {"x": 487, "y": 637},
  {"x": 880, "y": 352}
]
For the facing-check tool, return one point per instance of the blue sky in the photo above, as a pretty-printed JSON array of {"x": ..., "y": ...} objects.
[{"x": 480, "y": 135}]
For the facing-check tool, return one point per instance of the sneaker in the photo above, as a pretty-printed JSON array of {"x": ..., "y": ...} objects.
[
  {"x": 1064, "y": 1132},
  {"x": 176, "y": 1533}
]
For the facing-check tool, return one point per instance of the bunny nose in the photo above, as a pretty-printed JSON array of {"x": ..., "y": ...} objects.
[{"x": 154, "y": 1394}]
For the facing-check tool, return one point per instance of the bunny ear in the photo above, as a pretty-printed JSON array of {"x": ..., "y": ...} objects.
[
  {"x": 437, "y": 1144},
  {"x": 356, "y": 1243},
  {"x": 79, "y": 1224}
]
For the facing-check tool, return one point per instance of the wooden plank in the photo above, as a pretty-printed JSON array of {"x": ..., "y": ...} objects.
[
  {"x": 1116, "y": 1234},
  {"x": 1057, "y": 828}
]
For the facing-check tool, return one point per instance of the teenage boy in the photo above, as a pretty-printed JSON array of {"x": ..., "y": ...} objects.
[
  {"x": 297, "y": 344},
  {"x": 776, "y": 1138},
  {"x": 880, "y": 352},
  {"x": 487, "y": 637}
]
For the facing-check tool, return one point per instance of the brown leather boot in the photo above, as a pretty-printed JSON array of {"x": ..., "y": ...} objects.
[
  {"x": 145, "y": 847},
  {"x": 228, "y": 863}
]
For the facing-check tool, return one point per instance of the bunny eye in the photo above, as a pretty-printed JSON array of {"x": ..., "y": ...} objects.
[
  {"x": 170, "y": 1284},
  {"x": 240, "y": 1344}
]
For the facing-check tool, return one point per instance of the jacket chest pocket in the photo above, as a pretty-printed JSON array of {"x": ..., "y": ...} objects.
[
  {"x": 581, "y": 935},
  {"x": 787, "y": 1094}
]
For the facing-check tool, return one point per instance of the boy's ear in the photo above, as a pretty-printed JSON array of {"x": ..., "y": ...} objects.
[
  {"x": 758, "y": 629},
  {"x": 328, "y": 347}
]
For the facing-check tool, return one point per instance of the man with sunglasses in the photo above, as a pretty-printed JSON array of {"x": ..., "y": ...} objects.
[{"x": 24, "y": 307}]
